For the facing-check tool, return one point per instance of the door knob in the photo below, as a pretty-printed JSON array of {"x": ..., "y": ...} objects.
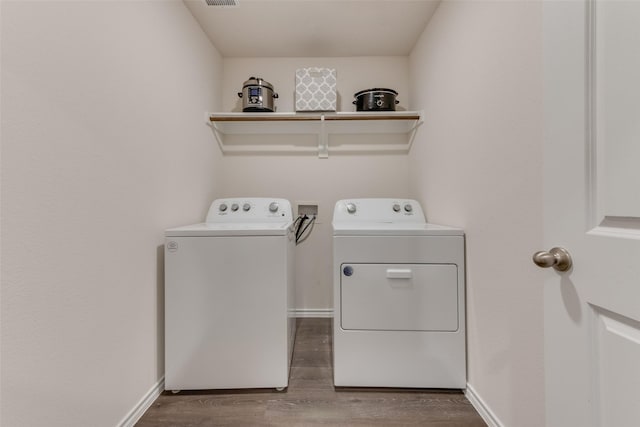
[{"x": 557, "y": 258}]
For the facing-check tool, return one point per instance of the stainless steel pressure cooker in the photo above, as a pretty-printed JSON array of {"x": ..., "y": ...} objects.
[{"x": 257, "y": 95}]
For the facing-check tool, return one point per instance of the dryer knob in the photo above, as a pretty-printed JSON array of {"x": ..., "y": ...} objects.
[
  {"x": 246, "y": 207},
  {"x": 222, "y": 207},
  {"x": 396, "y": 208},
  {"x": 408, "y": 208},
  {"x": 234, "y": 207},
  {"x": 273, "y": 207},
  {"x": 351, "y": 208}
]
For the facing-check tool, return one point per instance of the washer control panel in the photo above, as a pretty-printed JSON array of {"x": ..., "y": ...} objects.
[
  {"x": 378, "y": 210},
  {"x": 250, "y": 209}
]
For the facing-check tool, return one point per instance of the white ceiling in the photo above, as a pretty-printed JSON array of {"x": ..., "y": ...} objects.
[{"x": 311, "y": 28}]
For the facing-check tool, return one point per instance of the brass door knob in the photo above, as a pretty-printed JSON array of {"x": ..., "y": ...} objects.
[{"x": 558, "y": 258}]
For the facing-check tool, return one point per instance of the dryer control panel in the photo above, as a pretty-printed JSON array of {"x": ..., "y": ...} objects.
[{"x": 378, "y": 210}]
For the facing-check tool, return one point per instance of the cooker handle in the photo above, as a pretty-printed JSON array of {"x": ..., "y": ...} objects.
[
  {"x": 354, "y": 102},
  {"x": 240, "y": 94},
  {"x": 397, "y": 102},
  {"x": 275, "y": 95}
]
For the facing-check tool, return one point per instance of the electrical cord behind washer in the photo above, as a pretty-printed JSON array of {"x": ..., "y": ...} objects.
[
  {"x": 302, "y": 228},
  {"x": 294, "y": 226},
  {"x": 302, "y": 219}
]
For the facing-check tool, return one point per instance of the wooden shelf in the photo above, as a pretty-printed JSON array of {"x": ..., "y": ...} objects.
[{"x": 323, "y": 125}]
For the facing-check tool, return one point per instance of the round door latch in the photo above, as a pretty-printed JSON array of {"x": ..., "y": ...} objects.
[
  {"x": 558, "y": 258},
  {"x": 348, "y": 270}
]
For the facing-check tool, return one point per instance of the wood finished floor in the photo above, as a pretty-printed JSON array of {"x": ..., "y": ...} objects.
[{"x": 311, "y": 399}]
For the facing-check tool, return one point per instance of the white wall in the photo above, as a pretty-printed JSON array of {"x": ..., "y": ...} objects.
[
  {"x": 477, "y": 163},
  {"x": 306, "y": 177},
  {"x": 103, "y": 147}
]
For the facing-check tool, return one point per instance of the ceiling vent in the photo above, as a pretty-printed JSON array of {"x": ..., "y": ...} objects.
[{"x": 231, "y": 3}]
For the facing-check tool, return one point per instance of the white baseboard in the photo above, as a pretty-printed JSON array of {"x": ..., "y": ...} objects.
[
  {"x": 313, "y": 312},
  {"x": 485, "y": 412},
  {"x": 141, "y": 407}
]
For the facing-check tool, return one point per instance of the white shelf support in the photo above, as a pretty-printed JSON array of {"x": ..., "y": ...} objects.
[
  {"x": 414, "y": 130},
  {"x": 323, "y": 140},
  {"x": 219, "y": 137},
  {"x": 216, "y": 132}
]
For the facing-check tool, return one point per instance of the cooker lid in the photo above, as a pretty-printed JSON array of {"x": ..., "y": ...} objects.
[
  {"x": 257, "y": 81},
  {"x": 377, "y": 89}
]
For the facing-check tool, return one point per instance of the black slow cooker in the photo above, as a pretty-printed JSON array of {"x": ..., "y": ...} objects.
[{"x": 376, "y": 99}]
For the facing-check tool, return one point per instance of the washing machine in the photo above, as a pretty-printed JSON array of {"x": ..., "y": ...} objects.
[
  {"x": 399, "y": 297},
  {"x": 229, "y": 295}
]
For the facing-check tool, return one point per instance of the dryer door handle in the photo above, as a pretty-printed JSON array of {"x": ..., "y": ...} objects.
[{"x": 399, "y": 273}]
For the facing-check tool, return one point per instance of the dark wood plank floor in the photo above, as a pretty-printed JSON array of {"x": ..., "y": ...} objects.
[{"x": 311, "y": 399}]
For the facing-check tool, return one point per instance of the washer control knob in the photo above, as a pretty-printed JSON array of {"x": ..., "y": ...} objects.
[
  {"x": 408, "y": 208},
  {"x": 234, "y": 207},
  {"x": 273, "y": 207},
  {"x": 246, "y": 207},
  {"x": 396, "y": 207},
  {"x": 222, "y": 207},
  {"x": 351, "y": 208}
]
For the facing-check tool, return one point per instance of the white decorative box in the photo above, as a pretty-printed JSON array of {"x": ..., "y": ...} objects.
[{"x": 316, "y": 89}]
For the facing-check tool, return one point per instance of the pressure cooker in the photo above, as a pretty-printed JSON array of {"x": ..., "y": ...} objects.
[{"x": 257, "y": 95}]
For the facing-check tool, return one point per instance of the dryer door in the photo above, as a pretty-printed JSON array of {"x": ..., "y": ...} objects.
[{"x": 399, "y": 297}]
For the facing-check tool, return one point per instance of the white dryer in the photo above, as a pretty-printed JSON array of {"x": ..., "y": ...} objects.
[
  {"x": 399, "y": 297},
  {"x": 229, "y": 295}
]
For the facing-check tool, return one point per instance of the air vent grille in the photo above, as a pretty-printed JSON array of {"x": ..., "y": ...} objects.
[{"x": 222, "y": 2}]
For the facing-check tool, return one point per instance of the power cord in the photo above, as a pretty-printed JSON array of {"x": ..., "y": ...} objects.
[
  {"x": 301, "y": 228},
  {"x": 294, "y": 225}
]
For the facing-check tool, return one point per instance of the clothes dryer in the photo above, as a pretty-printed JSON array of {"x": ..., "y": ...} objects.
[
  {"x": 229, "y": 296},
  {"x": 399, "y": 297}
]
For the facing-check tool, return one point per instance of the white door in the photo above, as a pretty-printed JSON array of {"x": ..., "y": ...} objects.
[{"x": 592, "y": 208}]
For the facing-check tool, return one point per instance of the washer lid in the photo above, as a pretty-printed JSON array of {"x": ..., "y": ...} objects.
[
  {"x": 230, "y": 229},
  {"x": 393, "y": 229}
]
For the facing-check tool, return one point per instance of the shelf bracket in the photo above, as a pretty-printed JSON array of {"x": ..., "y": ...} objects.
[
  {"x": 216, "y": 131},
  {"x": 414, "y": 130},
  {"x": 323, "y": 140}
]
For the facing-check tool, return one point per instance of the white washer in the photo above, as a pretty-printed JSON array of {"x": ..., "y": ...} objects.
[
  {"x": 399, "y": 297},
  {"x": 229, "y": 319}
]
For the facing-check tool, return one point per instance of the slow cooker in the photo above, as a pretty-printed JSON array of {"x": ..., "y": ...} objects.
[
  {"x": 257, "y": 95},
  {"x": 376, "y": 99}
]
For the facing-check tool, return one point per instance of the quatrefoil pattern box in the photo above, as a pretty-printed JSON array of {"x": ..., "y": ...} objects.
[{"x": 316, "y": 89}]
